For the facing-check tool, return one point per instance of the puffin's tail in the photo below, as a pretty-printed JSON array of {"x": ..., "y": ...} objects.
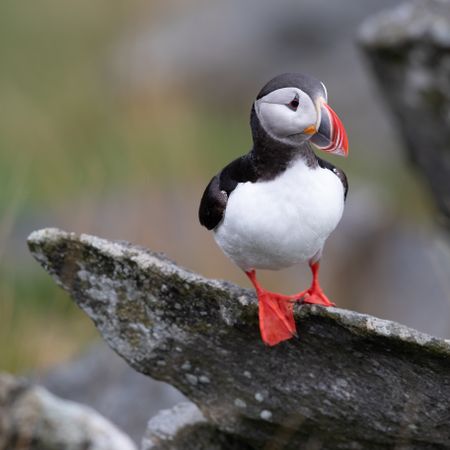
[{"x": 276, "y": 318}]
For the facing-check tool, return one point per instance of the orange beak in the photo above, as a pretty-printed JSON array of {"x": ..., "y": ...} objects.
[{"x": 331, "y": 136}]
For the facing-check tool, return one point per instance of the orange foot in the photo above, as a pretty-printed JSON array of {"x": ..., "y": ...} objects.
[
  {"x": 276, "y": 314},
  {"x": 276, "y": 317},
  {"x": 314, "y": 296}
]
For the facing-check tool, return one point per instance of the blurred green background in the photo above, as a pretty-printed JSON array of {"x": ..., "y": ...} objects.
[
  {"x": 93, "y": 140},
  {"x": 66, "y": 135}
]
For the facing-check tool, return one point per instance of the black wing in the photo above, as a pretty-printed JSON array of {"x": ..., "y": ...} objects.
[
  {"x": 215, "y": 197},
  {"x": 338, "y": 172}
]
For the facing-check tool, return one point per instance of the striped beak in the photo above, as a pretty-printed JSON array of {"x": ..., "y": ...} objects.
[{"x": 331, "y": 136}]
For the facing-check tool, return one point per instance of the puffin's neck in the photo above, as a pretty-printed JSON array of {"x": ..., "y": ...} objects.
[{"x": 270, "y": 157}]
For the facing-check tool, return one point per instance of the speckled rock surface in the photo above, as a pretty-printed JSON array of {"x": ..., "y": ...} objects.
[
  {"x": 31, "y": 418},
  {"x": 349, "y": 381},
  {"x": 184, "y": 427},
  {"x": 409, "y": 52}
]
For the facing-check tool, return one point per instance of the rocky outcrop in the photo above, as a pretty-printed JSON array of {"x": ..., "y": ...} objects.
[
  {"x": 31, "y": 418},
  {"x": 99, "y": 378},
  {"x": 349, "y": 380},
  {"x": 408, "y": 49},
  {"x": 185, "y": 428}
]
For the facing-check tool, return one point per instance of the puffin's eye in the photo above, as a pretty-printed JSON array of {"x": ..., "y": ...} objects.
[{"x": 294, "y": 104}]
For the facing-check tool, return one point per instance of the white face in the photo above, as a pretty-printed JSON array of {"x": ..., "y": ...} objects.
[{"x": 287, "y": 112}]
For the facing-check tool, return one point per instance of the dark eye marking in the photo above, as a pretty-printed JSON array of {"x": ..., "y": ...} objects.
[{"x": 293, "y": 104}]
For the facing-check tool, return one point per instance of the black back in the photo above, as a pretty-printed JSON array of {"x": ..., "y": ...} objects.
[
  {"x": 215, "y": 197},
  {"x": 241, "y": 170}
]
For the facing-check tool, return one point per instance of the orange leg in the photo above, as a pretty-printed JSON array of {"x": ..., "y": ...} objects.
[
  {"x": 276, "y": 315},
  {"x": 314, "y": 295}
]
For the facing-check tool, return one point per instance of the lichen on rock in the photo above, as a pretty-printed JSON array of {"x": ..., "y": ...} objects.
[{"x": 348, "y": 381}]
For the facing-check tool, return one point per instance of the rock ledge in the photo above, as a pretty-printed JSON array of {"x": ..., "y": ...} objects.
[{"x": 349, "y": 381}]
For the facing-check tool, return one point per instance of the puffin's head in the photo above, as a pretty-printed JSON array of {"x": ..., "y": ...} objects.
[{"x": 292, "y": 108}]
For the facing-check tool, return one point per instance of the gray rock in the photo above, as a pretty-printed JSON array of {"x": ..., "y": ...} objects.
[
  {"x": 349, "y": 381},
  {"x": 404, "y": 275},
  {"x": 102, "y": 380},
  {"x": 185, "y": 428},
  {"x": 167, "y": 423},
  {"x": 32, "y": 418},
  {"x": 409, "y": 51}
]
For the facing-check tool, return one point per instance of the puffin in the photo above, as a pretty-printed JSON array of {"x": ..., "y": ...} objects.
[{"x": 275, "y": 206}]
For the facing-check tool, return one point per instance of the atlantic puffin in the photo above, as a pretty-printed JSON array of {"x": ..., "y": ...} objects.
[{"x": 277, "y": 205}]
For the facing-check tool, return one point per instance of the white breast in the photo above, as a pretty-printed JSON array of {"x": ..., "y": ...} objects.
[{"x": 278, "y": 223}]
